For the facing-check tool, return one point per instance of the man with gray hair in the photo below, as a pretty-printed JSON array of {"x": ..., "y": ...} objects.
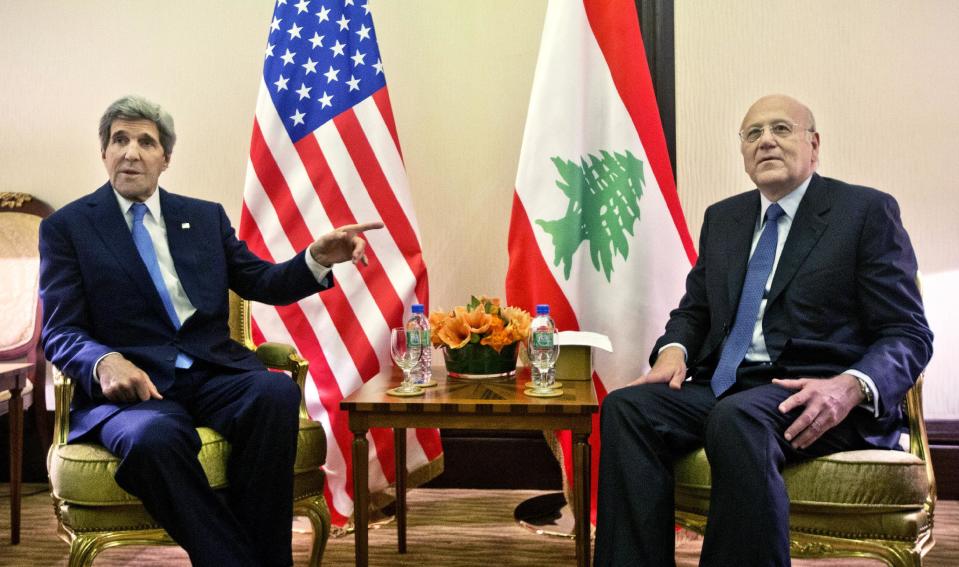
[
  {"x": 134, "y": 282},
  {"x": 800, "y": 333}
]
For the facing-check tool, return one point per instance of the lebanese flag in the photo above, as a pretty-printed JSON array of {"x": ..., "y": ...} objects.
[{"x": 597, "y": 229}]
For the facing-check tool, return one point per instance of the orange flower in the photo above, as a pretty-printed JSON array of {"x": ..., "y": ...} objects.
[
  {"x": 488, "y": 300},
  {"x": 519, "y": 322},
  {"x": 483, "y": 320},
  {"x": 498, "y": 337},
  {"x": 454, "y": 332},
  {"x": 437, "y": 320},
  {"x": 477, "y": 319}
]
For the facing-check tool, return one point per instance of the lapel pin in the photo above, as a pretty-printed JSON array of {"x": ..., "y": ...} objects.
[{"x": 185, "y": 225}]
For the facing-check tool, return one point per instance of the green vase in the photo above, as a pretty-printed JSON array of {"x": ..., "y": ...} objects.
[{"x": 480, "y": 361}]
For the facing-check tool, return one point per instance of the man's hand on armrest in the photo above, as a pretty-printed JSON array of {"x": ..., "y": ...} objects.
[
  {"x": 123, "y": 381},
  {"x": 670, "y": 367}
]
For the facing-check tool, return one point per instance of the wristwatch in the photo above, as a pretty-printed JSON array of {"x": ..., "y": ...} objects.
[{"x": 864, "y": 388}]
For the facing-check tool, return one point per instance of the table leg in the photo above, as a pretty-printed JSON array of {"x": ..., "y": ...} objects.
[
  {"x": 581, "y": 468},
  {"x": 399, "y": 450},
  {"x": 361, "y": 497},
  {"x": 16, "y": 462}
]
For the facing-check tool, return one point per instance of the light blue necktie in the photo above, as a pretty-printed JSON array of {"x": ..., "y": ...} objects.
[
  {"x": 144, "y": 244},
  {"x": 754, "y": 287}
]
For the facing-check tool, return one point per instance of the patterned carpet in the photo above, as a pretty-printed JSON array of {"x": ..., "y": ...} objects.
[{"x": 449, "y": 528}]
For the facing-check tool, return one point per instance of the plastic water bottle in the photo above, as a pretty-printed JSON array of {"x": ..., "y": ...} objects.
[
  {"x": 422, "y": 372},
  {"x": 543, "y": 344}
]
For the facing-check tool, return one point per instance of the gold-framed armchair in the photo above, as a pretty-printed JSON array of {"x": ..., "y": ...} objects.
[
  {"x": 874, "y": 503},
  {"x": 94, "y": 514}
]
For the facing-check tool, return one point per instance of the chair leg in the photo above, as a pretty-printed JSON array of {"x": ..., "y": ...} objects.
[
  {"x": 82, "y": 551},
  {"x": 903, "y": 557},
  {"x": 41, "y": 418},
  {"x": 315, "y": 509},
  {"x": 16, "y": 463}
]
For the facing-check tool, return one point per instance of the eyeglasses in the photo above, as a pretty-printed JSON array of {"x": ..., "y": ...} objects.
[{"x": 781, "y": 130}]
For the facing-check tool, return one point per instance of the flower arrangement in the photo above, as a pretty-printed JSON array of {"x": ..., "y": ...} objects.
[{"x": 483, "y": 321}]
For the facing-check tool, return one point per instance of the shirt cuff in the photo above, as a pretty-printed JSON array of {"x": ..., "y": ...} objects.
[
  {"x": 96, "y": 366},
  {"x": 319, "y": 270},
  {"x": 664, "y": 347},
  {"x": 874, "y": 406}
]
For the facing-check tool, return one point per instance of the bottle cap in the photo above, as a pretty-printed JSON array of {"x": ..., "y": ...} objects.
[
  {"x": 416, "y": 308},
  {"x": 542, "y": 309}
]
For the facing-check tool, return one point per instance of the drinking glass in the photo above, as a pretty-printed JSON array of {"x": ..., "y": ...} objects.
[
  {"x": 405, "y": 348},
  {"x": 542, "y": 357}
]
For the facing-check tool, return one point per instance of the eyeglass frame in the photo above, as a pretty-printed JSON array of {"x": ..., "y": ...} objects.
[{"x": 762, "y": 130}]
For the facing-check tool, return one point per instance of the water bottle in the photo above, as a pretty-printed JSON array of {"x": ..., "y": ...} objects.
[
  {"x": 543, "y": 347},
  {"x": 422, "y": 372}
]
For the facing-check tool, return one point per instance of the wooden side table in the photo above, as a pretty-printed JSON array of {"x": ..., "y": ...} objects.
[
  {"x": 466, "y": 404},
  {"x": 13, "y": 377}
]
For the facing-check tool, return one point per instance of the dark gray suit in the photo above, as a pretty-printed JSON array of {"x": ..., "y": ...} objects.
[{"x": 844, "y": 296}]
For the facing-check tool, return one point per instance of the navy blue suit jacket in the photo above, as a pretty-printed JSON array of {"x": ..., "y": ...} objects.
[
  {"x": 98, "y": 296},
  {"x": 844, "y": 295}
]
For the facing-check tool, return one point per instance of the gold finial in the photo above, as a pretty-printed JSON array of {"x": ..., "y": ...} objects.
[{"x": 13, "y": 200}]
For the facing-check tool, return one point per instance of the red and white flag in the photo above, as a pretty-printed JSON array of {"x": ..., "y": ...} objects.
[
  {"x": 597, "y": 229},
  {"x": 325, "y": 153}
]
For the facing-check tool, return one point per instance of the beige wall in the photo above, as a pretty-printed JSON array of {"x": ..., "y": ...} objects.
[
  {"x": 63, "y": 62},
  {"x": 459, "y": 74},
  {"x": 880, "y": 75},
  {"x": 881, "y": 78}
]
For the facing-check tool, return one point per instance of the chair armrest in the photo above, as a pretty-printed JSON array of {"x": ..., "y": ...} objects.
[
  {"x": 918, "y": 439},
  {"x": 62, "y": 396},
  {"x": 279, "y": 356},
  {"x": 274, "y": 355}
]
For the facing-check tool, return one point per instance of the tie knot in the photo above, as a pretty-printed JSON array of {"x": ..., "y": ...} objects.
[
  {"x": 774, "y": 212},
  {"x": 139, "y": 210}
]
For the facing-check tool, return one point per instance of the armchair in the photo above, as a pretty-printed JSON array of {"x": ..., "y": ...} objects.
[
  {"x": 20, "y": 216},
  {"x": 95, "y": 514},
  {"x": 873, "y": 503}
]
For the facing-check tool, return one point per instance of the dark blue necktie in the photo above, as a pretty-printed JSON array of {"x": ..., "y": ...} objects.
[
  {"x": 754, "y": 287},
  {"x": 144, "y": 244}
]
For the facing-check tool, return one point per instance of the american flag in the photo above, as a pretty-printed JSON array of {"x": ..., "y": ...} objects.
[{"x": 325, "y": 153}]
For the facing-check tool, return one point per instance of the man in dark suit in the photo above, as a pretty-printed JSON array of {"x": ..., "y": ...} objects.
[
  {"x": 799, "y": 334},
  {"x": 134, "y": 282}
]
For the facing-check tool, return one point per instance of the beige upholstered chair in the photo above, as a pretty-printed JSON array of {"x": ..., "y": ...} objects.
[
  {"x": 20, "y": 216},
  {"x": 95, "y": 514},
  {"x": 873, "y": 503}
]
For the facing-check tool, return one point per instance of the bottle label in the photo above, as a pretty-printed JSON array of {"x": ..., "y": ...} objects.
[
  {"x": 543, "y": 339},
  {"x": 413, "y": 338}
]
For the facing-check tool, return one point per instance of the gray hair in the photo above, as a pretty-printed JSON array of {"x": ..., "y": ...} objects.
[{"x": 132, "y": 107}]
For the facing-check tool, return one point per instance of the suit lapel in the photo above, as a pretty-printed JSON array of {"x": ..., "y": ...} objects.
[
  {"x": 738, "y": 243},
  {"x": 807, "y": 228},
  {"x": 108, "y": 221},
  {"x": 179, "y": 234}
]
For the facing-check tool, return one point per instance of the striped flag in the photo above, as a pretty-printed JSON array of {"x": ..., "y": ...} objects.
[
  {"x": 597, "y": 230},
  {"x": 325, "y": 153}
]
